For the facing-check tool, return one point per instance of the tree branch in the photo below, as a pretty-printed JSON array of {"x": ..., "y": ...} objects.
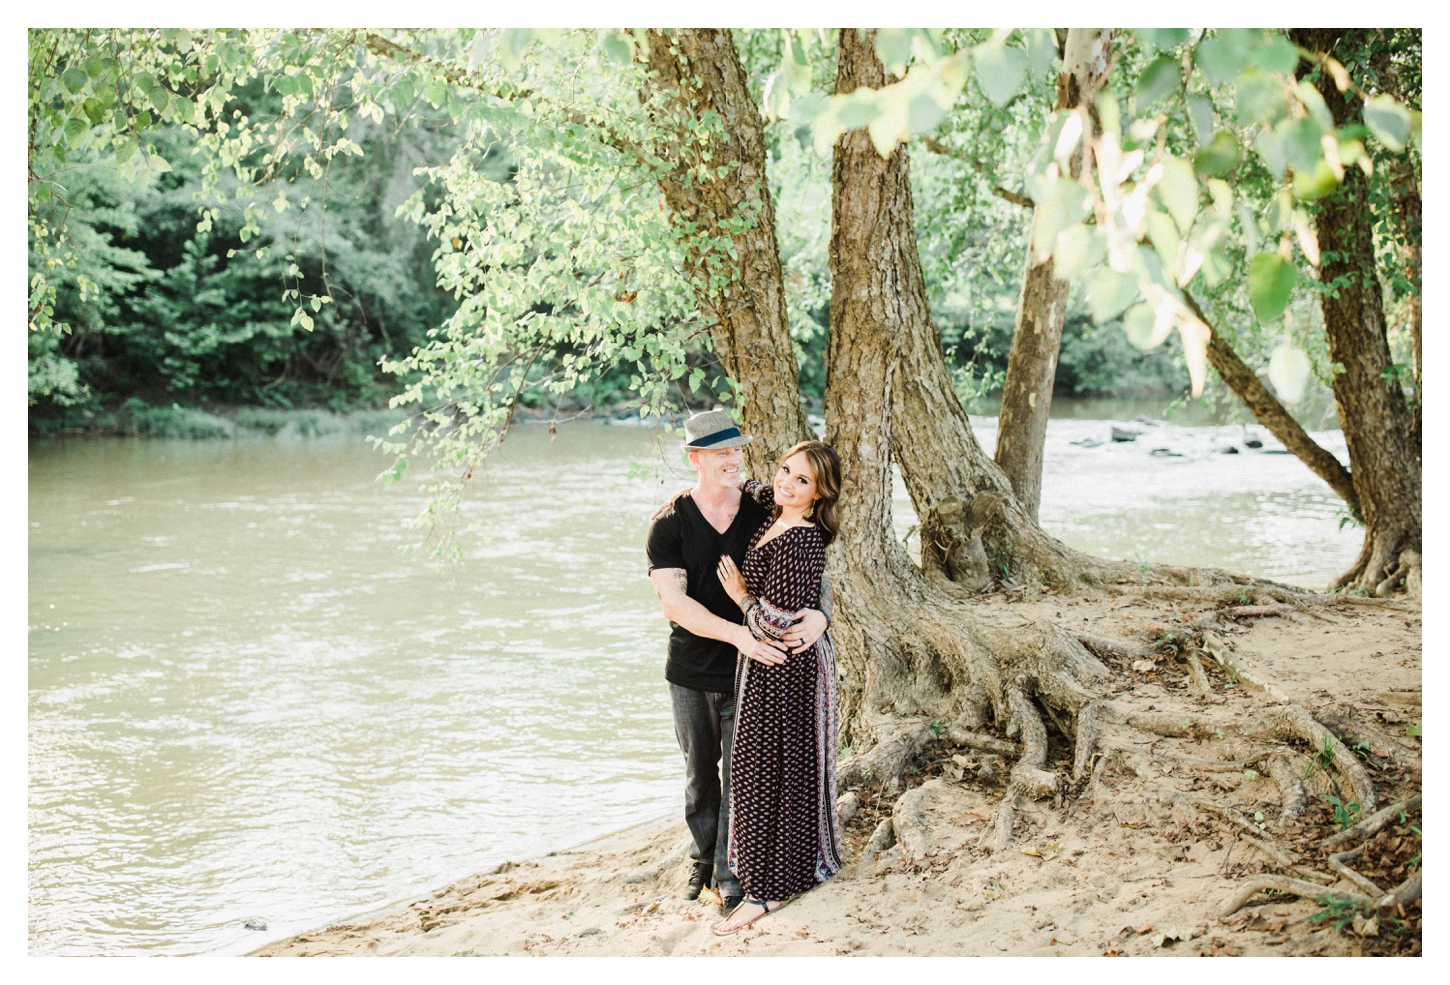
[
  {"x": 1016, "y": 198},
  {"x": 1271, "y": 414}
]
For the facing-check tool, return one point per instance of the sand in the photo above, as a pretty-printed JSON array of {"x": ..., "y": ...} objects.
[{"x": 1120, "y": 866}]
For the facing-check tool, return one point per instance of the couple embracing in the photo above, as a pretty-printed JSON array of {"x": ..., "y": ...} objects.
[{"x": 739, "y": 566}]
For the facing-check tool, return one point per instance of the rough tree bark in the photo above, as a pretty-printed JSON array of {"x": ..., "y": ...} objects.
[
  {"x": 907, "y": 647},
  {"x": 699, "y": 71},
  {"x": 1042, "y": 303},
  {"x": 1377, "y": 423},
  {"x": 1271, "y": 414}
]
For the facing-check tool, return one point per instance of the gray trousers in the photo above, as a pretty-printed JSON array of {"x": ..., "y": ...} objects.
[{"x": 705, "y": 727}]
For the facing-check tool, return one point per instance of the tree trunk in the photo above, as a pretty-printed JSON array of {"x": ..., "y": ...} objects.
[
  {"x": 698, "y": 71},
  {"x": 1042, "y": 304},
  {"x": 906, "y": 647},
  {"x": 1271, "y": 414},
  {"x": 1373, "y": 414}
]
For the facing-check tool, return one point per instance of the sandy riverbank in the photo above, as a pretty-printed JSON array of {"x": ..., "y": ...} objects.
[{"x": 1139, "y": 859}]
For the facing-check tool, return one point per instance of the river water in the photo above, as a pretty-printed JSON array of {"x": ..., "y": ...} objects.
[{"x": 248, "y": 702}]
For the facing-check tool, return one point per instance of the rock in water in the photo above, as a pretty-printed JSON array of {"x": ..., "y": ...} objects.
[
  {"x": 1119, "y": 434},
  {"x": 1230, "y": 450},
  {"x": 255, "y": 923},
  {"x": 1253, "y": 443},
  {"x": 1165, "y": 453}
]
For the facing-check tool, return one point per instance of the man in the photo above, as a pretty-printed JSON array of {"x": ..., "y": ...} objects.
[{"x": 686, "y": 539}]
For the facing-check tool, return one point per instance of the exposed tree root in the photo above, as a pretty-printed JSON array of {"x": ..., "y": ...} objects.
[
  {"x": 1372, "y": 825},
  {"x": 1292, "y": 795},
  {"x": 1336, "y": 862},
  {"x": 1240, "y": 668},
  {"x": 1406, "y": 892},
  {"x": 1293, "y": 722},
  {"x": 881, "y": 839},
  {"x": 1284, "y": 884},
  {"x": 889, "y": 758},
  {"x": 910, "y": 829},
  {"x": 975, "y": 740},
  {"x": 1112, "y": 648},
  {"x": 1197, "y": 675},
  {"x": 1214, "y": 619}
]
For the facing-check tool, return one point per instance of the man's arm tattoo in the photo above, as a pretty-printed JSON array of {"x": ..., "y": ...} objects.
[{"x": 828, "y": 597}]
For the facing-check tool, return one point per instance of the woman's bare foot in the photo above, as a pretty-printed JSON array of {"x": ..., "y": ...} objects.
[{"x": 744, "y": 915}]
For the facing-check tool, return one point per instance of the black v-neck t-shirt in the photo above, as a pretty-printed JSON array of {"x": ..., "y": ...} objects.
[{"x": 682, "y": 538}]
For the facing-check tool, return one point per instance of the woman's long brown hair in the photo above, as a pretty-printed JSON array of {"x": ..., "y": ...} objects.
[{"x": 826, "y": 466}]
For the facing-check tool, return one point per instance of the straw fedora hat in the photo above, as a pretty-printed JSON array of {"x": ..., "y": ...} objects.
[{"x": 712, "y": 430}]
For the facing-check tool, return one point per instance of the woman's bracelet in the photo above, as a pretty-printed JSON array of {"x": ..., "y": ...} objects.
[{"x": 746, "y": 601}]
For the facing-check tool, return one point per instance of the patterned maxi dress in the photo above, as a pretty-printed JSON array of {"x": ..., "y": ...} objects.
[{"x": 784, "y": 833}]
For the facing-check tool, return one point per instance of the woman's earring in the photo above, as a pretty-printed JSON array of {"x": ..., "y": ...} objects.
[{"x": 812, "y": 511}]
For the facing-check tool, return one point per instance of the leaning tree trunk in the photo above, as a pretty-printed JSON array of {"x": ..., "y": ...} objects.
[
  {"x": 973, "y": 527},
  {"x": 1377, "y": 424},
  {"x": 695, "y": 72},
  {"x": 1267, "y": 410},
  {"x": 1042, "y": 304}
]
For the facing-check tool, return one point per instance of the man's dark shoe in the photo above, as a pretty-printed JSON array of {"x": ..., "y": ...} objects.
[
  {"x": 698, "y": 878},
  {"x": 731, "y": 902}
]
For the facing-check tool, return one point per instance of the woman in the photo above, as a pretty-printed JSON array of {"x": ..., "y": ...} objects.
[{"x": 784, "y": 834}]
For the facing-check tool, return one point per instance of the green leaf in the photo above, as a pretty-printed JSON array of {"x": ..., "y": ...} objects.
[
  {"x": 890, "y": 125},
  {"x": 923, "y": 113},
  {"x": 1158, "y": 80},
  {"x": 1162, "y": 38},
  {"x": 1163, "y": 234},
  {"x": 1290, "y": 372},
  {"x": 1219, "y": 158},
  {"x": 1077, "y": 249},
  {"x": 1109, "y": 292},
  {"x": 158, "y": 163},
  {"x": 1041, "y": 50},
  {"x": 1223, "y": 56},
  {"x": 858, "y": 109},
  {"x": 1000, "y": 71},
  {"x": 893, "y": 47},
  {"x": 435, "y": 94},
  {"x": 306, "y": 320},
  {"x": 795, "y": 68},
  {"x": 1178, "y": 189},
  {"x": 1259, "y": 98},
  {"x": 1108, "y": 113},
  {"x": 75, "y": 129},
  {"x": 403, "y": 93},
  {"x": 74, "y": 79},
  {"x": 618, "y": 47},
  {"x": 1270, "y": 147},
  {"x": 1388, "y": 121},
  {"x": 1278, "y": 56},
  {"x": 93, "y": 109},
  {"x": 1215, "y": 268},
  {"x": 1271, "y": 280},
  {"x": 1301, "y": 139},
  {"x": 1314, "y": 103},
  {"x": 1200, "y": 114},
  {"x": 1311, "y": 185},
  {"x": 1138, "y": 324}
]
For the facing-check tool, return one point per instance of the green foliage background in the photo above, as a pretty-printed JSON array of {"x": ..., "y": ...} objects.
[{"x": 162, "y": 315}]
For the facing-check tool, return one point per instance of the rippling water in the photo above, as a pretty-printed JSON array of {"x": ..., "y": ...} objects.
[{"x": 247, "y": 702}]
